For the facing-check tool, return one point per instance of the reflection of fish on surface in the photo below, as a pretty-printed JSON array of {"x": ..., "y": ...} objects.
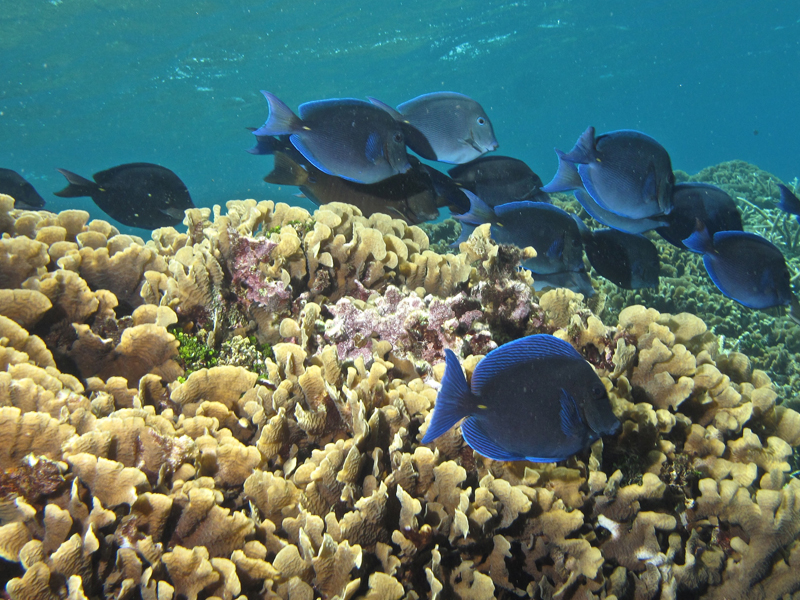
[
  {"x": 535, "y": 398},
  {"x": 346, "y": 137},
  {"x": 625, "y": 173},
  {"x": 746, "y": 268},
  {"x": 499, "y": 179},
  {"x": 410, "y": 196},
  {"x": 16, "y": 186},
  {"x": 444, "y": 126},
  {"x": 135, "y": 194},
  {"x": 693, "y": 202}
]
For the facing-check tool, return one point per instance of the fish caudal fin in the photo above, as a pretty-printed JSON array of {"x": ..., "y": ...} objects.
[
  {"x": 452, "y": 401},
  {"x": 699, "y": 242},
  {"x": 281, "y": 120},
  {"x": 789, "y": 202},
  {"x": 396, "y": 115},
  {"x": 78, "y": 186},
  {"x": 479, "y": 212},
  {"x": 566, "y": 177},
  {"x": 584, "y": 151},
  {"x": 286, "y": 172}
]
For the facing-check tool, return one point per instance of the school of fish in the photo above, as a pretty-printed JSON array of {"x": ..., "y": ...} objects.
[{"x": 535, "y": 398}]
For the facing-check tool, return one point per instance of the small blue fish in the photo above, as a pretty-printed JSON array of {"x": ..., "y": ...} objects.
[
  {"x": 745, "y": 267},
  {"x": 627, "y": 260},
  {"x": 499, "y": 179},
  {"x": 693, "y": 202},
  {"x": 789, "y": 203},
  {"x": 550, "y": 230},
  {"x": 348, "y": 138},
  {"x": 444, "y": 126},
  {"x": 535, "y": 398},
  {"x": 626, "y": 172}
]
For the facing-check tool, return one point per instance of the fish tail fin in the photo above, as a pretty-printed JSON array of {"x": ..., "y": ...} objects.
[
  {"x": 78, "y": 186},
  {"x": 794, "y": 309},
  {"x": 451, "y": 401},
  {"x": 789, "y": 202},
  {"x": 566, "y": 177},
  {"x": 286, "y": 172},
  {"x": 265, "y": 144},
  {"x": 700, "y": 241},
  {"x": 281, "y": 120},
  {"x": 583, "y": 152},
  {"x": 479, "y": 212},
  {"x": 396, "y": 115},
  {"x": 583, "y": 228}
]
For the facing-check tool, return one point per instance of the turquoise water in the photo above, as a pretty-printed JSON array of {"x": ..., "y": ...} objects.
[{"x": 88, "y": 84}]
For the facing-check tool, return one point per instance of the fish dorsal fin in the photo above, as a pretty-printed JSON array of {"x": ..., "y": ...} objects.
[
  {"x": 453, "y": 400},
  {"x": 525, "y": 349},
  {"x": 789, "y": 202},
  {"x": 571, "y": 422},
  {"x": 477, "y": 439}
]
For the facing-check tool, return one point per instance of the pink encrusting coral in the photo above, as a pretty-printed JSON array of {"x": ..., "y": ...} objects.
[{"x": 275, "y": 451}]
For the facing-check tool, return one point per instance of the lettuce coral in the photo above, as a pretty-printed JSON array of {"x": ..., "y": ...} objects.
[{"x": 303, "y": 476}]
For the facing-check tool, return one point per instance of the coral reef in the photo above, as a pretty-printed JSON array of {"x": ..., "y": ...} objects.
[{"x": 234, "y": 411}]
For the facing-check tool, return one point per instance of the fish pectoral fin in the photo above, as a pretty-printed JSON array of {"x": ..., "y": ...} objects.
[
  {"x": 479, "y": 441},
  {"x": 374, "y": 148},
  {"x": 571, "y": 422}
]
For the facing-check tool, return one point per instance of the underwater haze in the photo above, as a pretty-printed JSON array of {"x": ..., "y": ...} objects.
[{"x": 89, "y": 84}]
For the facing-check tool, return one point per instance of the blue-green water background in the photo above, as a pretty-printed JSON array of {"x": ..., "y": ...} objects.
[{"x": 88, "y": 84}]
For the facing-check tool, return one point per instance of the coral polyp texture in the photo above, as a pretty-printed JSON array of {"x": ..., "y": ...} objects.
[{"x": 234, "y": 411}]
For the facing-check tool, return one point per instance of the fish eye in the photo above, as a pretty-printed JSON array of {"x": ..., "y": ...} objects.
[
  {"x": 599, "y": 391},
  {"x": 398, "y": 137},
  {"x": 481, "y": 121}
]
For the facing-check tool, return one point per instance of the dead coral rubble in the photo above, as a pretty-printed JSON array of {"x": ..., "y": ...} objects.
[{"x": 304, "y": 477}]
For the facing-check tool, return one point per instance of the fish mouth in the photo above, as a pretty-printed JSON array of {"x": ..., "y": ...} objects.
[
  {"x": 404, "y": 168},
  {"x": 470, "y": 141}
]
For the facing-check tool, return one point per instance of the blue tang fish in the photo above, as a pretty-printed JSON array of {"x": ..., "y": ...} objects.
[
  {"x": 535, "y": 398},
  {"x": 16, "y": 186},
  {"x": 693, "y": 202},
  {"x": 499, "y": 179},
  {"x": 625, "y": 172},
  {"x": 745, "y": 267},
  {"x": 628, "y": 260},
  {"x": 135, "y": 194},
  {"x": 789, "y": 203},
  {"x": 444, "y": 126},
  {"x": 550, "y": 230},
  {"x": 348, "y": 138}
]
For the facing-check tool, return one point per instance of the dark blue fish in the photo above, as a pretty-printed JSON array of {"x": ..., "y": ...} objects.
[
  {"x": 789, "y": 202},
  {"x": 135, "y": 194},
  {"x": 693, "y": 202},
  {"x": 535, "y": 398},
  {"x": 499, "y": 179},
  {"x": 626, "y": 173},
  {"x": 444, "y": 126},
  {"x": 745, "y": 267},
  {"x": 348, "y": 138},
  {"x": 24, "y": 194},
  {"x": 628, "y": 260},
  {"x": 550, "y": 230}
]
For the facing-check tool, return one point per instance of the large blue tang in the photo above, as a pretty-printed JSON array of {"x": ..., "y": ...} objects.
[
  {"x": 345, "y": 137},
  {"x": 535, "y": 398},
  {"x": 745, "y": 267},
  {"x": 625, "y": 172}
]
